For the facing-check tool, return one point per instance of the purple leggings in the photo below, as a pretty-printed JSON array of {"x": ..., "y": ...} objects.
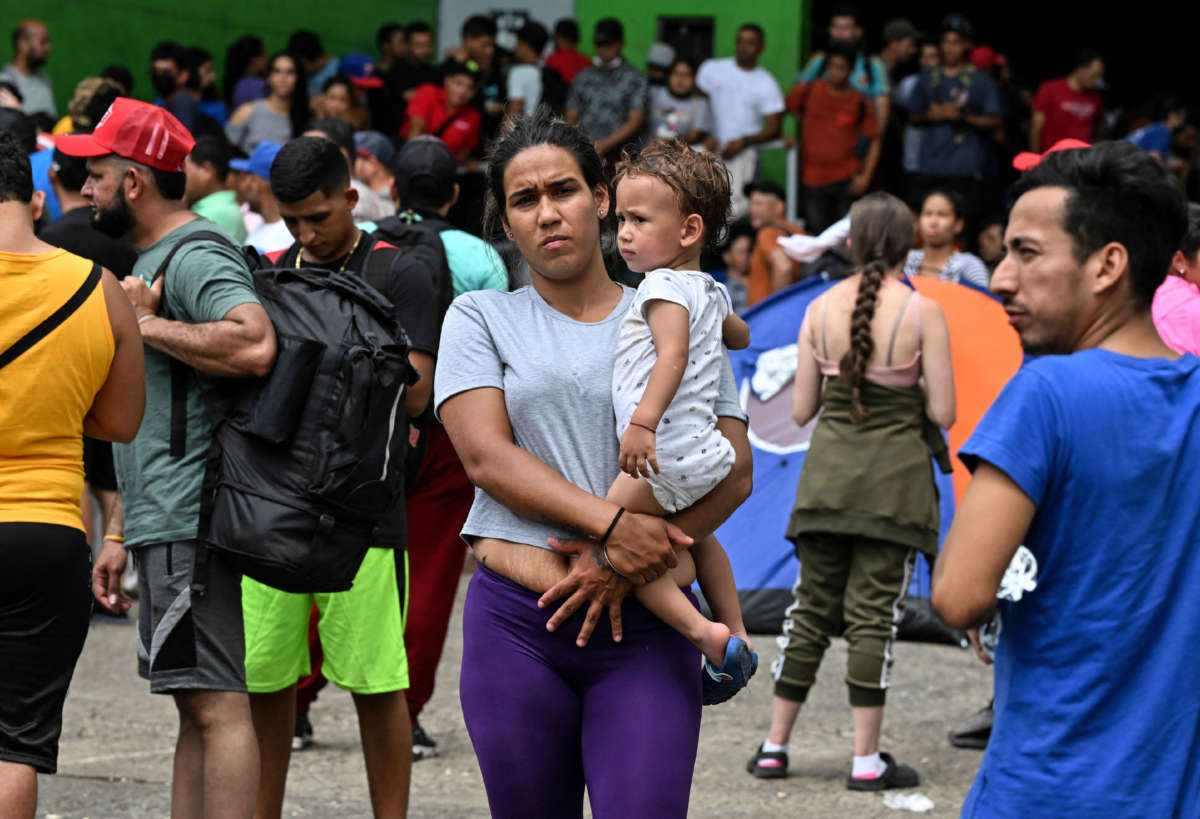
[{"x": 546, "y": 716}]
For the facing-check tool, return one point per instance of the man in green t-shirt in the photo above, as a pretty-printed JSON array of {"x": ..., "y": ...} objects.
[
  {"x": 189, "y": 645},
  {"x": 207, "y": 168}
]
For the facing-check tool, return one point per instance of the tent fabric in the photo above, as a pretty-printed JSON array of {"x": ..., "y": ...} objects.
[{"x": 985, "y": 354}]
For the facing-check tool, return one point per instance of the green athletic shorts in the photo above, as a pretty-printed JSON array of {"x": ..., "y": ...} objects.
[{"x": 362, "y": 630}]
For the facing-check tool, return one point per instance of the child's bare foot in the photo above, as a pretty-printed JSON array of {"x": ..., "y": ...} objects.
[
  {"x": 742, "y": 633},
  {"x": 712, "y": 643}
]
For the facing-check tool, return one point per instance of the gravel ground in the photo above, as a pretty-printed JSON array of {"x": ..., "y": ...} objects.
[{"x": 115, "y": 758}]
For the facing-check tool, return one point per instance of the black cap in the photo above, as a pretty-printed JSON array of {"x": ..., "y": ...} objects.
[
  {"x": 767, "y": 187},
  {"x": 959, "y": 25},
  {"x": 425, "y": 170},
  {"x": 609, "y": 31}
]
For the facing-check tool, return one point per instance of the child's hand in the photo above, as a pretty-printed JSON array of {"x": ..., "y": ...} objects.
[{"x": 637, "y": 452}]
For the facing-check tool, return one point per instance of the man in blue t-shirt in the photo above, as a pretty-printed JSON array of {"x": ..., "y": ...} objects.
[{"x": 1085, "y": 470}]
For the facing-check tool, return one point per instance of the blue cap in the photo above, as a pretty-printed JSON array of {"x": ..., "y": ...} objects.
[{"x": 260, "y": 160}]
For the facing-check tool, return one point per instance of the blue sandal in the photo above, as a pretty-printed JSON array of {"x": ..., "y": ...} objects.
[{"x": 722, "y": 683}]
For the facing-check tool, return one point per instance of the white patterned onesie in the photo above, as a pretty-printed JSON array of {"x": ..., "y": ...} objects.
[{"x": 693, "y": 456}]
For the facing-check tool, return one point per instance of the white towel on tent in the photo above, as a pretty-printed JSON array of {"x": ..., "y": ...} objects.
[
  {"x": 807, "y": 249},
  {"x": 773, "y": 370}
]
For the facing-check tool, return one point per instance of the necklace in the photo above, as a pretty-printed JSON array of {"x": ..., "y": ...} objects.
[{"x": 345, "y": 260}]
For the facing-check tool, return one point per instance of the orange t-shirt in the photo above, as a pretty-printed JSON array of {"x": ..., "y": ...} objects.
[
  {"x": 832, "y": 122},
  {"x": 46, "y": 392},
  {"x": 758, "y": 281}
]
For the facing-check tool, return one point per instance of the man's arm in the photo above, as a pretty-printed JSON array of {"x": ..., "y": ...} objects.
[
  {"x": 983, "y": 122},
  {"x": 772, "y": 127},
  {"x": 883, "y": 110},
  {"x": 242, "y": 343},
  {"x": 417, "y": 397},
  {"x": 989, "y": 525},
  {"x": 782, "y": 268},
  {"x": 1035, "y": 131},
  {"x": 629, "y": 129}
]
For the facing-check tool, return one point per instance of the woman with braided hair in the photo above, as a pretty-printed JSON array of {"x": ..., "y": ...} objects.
[{"x": 866, "y": 500}]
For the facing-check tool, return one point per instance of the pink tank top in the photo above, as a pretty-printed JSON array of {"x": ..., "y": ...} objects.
[{"x": 900, "y": 375}]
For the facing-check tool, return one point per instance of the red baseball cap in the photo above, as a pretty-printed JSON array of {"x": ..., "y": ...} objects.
[
  {"x": 137, "y": 131},
  {"x": 1028, "y": 159}
]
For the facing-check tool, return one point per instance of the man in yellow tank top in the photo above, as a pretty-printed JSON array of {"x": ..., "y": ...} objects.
[
  {"x": 190, "y": 645},
  {"x": 70, "y": 363}
]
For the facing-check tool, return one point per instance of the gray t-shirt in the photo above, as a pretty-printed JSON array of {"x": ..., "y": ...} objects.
[
  {"x": 36, "y": 90},
  {"x": 556, "y": 374}
]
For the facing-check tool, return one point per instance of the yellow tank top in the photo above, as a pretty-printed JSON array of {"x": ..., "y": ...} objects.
[{"x": 46, "y": 392}]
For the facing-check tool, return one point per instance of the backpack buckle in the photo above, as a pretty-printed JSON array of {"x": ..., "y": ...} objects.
[{"x": 325, "y": 524}]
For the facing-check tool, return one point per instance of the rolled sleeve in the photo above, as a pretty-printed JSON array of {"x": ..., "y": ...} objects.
[{"x": 207, "y": 281}]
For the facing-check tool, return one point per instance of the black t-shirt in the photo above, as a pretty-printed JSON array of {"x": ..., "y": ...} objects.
[
  {"x": 74, "y": 232},
  {"x": 404, "y": 279}
]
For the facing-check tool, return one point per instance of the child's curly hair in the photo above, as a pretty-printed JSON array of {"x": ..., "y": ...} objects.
[{"x": 699, "y": 179}]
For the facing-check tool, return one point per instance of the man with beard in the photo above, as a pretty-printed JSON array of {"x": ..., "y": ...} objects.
[
  {"x": 31, "y": 49},
  {"x": 202, "y": 314},
  {"x": 1081, "y": 513}
]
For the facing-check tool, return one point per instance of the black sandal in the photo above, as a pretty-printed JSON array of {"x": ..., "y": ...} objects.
[{"x": 775, "y": 767}]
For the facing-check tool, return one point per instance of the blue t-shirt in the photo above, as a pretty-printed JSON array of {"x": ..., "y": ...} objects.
[
  {"x": 1152, "y": 138},
  {"x": 954, "y": 148},
  {"x": 1096, "y": 669}
]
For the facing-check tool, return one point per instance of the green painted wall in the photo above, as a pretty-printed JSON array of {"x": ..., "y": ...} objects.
[
  {"x": 785, "y": 23},
  {"x": 90, "y": 34}
]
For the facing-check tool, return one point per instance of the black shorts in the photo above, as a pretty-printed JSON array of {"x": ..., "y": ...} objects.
[{"x": 45, "y": 606}]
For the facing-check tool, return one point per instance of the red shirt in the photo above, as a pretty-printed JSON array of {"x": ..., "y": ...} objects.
[
  {"x": 1069, "y": 114},
  {"x": 429, "y": 103},
  {"x": 568, "y": 63},
  {"x": 833, "y": 122}
]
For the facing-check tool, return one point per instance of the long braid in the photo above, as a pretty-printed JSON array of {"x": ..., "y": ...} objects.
[{"x": 853, "y": 365}]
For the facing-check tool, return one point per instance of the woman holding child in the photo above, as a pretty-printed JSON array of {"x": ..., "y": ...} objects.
[{"x": 525, "y": 389}]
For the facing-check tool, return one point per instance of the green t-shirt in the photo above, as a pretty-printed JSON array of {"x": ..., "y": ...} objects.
[
  {"x": 161, "y": 493},
  {"x": 222, "y": 207}
]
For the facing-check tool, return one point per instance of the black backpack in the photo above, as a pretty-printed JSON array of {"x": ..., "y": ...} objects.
[
  {"x": 306, "y": 461},
  {"x": 422, "y": 237},
  {"x": 554, "y": 91}
]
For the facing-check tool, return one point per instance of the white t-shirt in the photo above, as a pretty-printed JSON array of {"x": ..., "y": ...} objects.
[
  {"x": 693, "y": 456},
  {"x": 525, "y": 83},
  {"x": 270, "y": 236},
  {"x": 739, "y": 98}
]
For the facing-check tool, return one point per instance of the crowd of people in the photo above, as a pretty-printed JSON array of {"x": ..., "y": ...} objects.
[{"x": 567, "y": 243}]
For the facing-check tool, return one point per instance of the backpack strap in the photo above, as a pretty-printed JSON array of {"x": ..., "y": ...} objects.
[
  {"x": 450, "y": 120},
  {"x": 181, "y": 374},
  {"x": 54, "y": 320}
]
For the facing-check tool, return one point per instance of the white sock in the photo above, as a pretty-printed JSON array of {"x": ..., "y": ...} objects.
[
  {"x": 772, "y": 748},
  {"x": 868, "y": 767}
]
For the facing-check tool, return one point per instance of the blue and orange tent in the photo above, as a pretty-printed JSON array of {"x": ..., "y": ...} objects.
[{"x": 985, "y": 353}]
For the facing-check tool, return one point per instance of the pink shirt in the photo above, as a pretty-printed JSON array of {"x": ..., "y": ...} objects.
[{"x": 1176, "y": 312}]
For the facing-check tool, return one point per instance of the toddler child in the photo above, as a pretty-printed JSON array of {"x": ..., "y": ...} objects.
[{"x": 671, "y": 201}]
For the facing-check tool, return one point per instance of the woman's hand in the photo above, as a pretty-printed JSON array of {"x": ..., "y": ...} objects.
[
  {"x": 638, "y": 456},
  {"x": 589, "y": 580},
  {"x": 107, "y": 573}
]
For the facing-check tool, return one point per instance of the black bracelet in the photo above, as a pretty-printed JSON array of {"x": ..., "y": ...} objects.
[
  {"x": 612, "y": 525},
  {"x": 608, "y": 564}
]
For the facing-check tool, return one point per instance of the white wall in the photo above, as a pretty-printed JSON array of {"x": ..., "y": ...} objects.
[{"x": 453, "y": 13}]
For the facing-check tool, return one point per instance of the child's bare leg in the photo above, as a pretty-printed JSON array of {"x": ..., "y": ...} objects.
[
  {"x": 667, "y": 601},
  {"x": 664, "y": 597},
  {"x": 716, "y": 579}
]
